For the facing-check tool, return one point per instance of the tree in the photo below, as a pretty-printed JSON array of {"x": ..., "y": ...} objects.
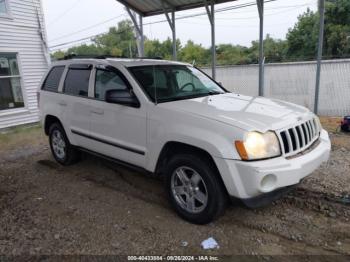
[
  {"x": 337, "y": 28},
  {"x": 155, "y": 48},
  {"x": 303, "y": 37},
  {"x": 192, "y": 52},
  {"x": 228, "y": 54},
  {"x": 274, "y": 50},
  {"x": 119, "y": 41}
]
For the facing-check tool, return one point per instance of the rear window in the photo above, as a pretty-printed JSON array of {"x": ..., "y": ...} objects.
[
  {"x": 52, "y": 80},
  {"x": 77, "y": 80}
]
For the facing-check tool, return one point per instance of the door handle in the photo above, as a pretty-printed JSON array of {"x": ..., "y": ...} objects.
[
  {"x": 62, "y": 103},
  {"x": 97, "y": 111}
]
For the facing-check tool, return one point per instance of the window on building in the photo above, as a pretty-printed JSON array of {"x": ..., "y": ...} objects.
[
  {"x": 77, "y": 80},
  {"x": 53, "y": 79},
  {"x": 107, "y": 80},
  {"x": 3, "y": 7},
  {"x": 10, "y": 82}
]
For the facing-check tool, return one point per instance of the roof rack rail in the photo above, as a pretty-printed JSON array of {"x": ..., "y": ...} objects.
[
  {"x": 74, "y": 56},
  {"x": 153, "y": 58}
]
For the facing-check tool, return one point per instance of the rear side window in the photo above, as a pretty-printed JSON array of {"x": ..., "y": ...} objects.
[
  {"x": 52, "y": 80},
  {"x": 77, "y": 80}
]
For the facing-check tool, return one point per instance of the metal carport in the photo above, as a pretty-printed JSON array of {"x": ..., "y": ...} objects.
[{"x": 146, "y": 8}]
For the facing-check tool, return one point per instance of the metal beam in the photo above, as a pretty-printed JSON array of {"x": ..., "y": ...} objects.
[
  {"x": 142, "y": 38},
  {"x": 319, "y": 53},
  {"x": 158, "y": 10},
  {"x": 171, "y": 21},
  {"x": 139, "y": 31},
  {"x": 260, "y": 4},
  {"x": 211, "y": 16}
]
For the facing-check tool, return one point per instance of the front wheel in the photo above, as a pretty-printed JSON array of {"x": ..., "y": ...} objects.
[{"x": 194, "y": 189}]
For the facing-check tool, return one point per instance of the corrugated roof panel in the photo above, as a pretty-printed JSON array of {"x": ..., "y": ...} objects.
[{"x": 156, "y": 7}]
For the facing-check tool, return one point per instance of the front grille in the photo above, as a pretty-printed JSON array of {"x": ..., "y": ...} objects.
[{"x": 298, "y": 138}]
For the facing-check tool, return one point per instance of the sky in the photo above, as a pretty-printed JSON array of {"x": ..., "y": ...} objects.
[{"x": 69, "y": 20}]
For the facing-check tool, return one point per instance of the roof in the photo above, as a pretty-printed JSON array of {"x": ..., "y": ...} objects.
[
  {"x": 156, "y": 7},
  {"x": 127, "y": 62}
]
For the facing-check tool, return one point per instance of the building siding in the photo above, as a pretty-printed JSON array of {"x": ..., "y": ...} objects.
[{"x": 20, "y": 34}]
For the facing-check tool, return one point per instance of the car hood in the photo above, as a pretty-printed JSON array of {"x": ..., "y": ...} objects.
[{"x": 249, "y": 113}]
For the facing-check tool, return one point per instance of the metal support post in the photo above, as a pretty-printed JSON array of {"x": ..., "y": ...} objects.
[
  {"x": 319, "y": 53},
  {"x": 139, "y": 31},
  {"x": 260, "y": 4},
  {"x": 171, "y": 22},
  {"x": 211, "y": 16}
]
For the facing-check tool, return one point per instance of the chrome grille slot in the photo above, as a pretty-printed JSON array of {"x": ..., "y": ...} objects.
[{"x": 299, "y": 138}]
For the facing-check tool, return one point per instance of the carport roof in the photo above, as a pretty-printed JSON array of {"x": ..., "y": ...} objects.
[{"x": 156, "y": 7}]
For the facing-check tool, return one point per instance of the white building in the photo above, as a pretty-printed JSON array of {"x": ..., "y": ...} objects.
[{"x": 23, "y": 60}]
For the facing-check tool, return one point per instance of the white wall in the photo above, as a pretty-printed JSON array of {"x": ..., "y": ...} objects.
[
  {"x": 294, "y": 82},
  {"x": 19, "y": 34}
]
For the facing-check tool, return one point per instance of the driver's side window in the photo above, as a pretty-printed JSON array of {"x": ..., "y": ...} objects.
[{"x": 107, "y": 80}]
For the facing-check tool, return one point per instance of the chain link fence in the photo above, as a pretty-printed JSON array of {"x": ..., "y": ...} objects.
[{"x": 294, "y": 82}]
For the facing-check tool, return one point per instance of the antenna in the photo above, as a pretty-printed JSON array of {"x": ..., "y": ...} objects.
[{"x": 155, "y": 84}]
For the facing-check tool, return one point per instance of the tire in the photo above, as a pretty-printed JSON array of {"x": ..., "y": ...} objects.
[
  {"x": 62, "y": 150},
  {"x": 185, "y": 197}
]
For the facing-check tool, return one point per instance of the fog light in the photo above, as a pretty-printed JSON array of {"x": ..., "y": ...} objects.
[{"x": 268, "y": 183}]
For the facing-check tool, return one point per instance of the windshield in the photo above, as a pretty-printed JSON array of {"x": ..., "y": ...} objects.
[{"x": 164, "y": 83}]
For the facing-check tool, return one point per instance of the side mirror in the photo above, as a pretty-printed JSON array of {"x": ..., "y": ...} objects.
[{"x": 122, "y": 97}]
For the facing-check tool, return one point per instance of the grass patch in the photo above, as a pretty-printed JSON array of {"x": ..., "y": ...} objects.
[
  {"x": 331, "y": 124},
  {"x": 21, "y": 135}
]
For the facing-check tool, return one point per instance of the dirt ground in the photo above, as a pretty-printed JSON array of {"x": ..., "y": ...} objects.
[{"x": 96, "y": 207}]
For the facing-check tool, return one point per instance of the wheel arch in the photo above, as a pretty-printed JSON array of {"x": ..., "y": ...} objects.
[
  {"x": 172, "y": 148},
  {"x": 49, "y": 120}
]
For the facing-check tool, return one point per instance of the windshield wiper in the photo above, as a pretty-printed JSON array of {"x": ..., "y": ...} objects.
[
  {"x": 170, "y": 99},
  {"x": 215, "y": 93}
]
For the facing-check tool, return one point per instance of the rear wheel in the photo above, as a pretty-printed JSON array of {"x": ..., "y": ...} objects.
[
  {"x": 194, "y": 189},
  {"x": 62, "y": 150}
]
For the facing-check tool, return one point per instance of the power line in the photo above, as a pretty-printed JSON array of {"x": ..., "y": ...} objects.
[
  {"x": 63, "y": 13},
  {"x": 86, "y": 38},
  {"x": 290, "y": 8},
  {"x": 88, "y": 28}
]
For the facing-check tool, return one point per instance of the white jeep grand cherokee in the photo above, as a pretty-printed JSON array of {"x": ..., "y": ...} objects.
[{"x": 171, "y": 119}]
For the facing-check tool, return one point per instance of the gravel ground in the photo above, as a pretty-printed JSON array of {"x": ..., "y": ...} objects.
[{"x": 96, "y": 207}]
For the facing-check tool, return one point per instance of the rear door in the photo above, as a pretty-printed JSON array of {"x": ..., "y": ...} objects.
[
  {"x": 76, "y": 103},
  {"x": 49, "y": 97}
]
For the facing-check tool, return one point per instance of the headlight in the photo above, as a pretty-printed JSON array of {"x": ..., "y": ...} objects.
[
  {"x": 318, "y": 122},
  {"x": 258, "y": 146}
]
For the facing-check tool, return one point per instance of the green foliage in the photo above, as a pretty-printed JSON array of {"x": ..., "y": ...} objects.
[
  {"x": 119, "y": 41},
  {"x": 302, "y": 39},
  {"x": 155, "y": 48},
  {"x": 230, "y": 54},
  {"x": 194, "y": 53}
]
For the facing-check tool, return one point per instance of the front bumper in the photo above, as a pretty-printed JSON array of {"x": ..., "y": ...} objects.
[{"x": 247, "y": 180}]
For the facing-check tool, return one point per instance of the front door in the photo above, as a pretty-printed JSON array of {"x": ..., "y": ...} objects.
[{"x": 117, "y": 131}]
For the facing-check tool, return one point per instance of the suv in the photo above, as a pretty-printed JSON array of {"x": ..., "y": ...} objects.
[{"x": 172, "y": 120}]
